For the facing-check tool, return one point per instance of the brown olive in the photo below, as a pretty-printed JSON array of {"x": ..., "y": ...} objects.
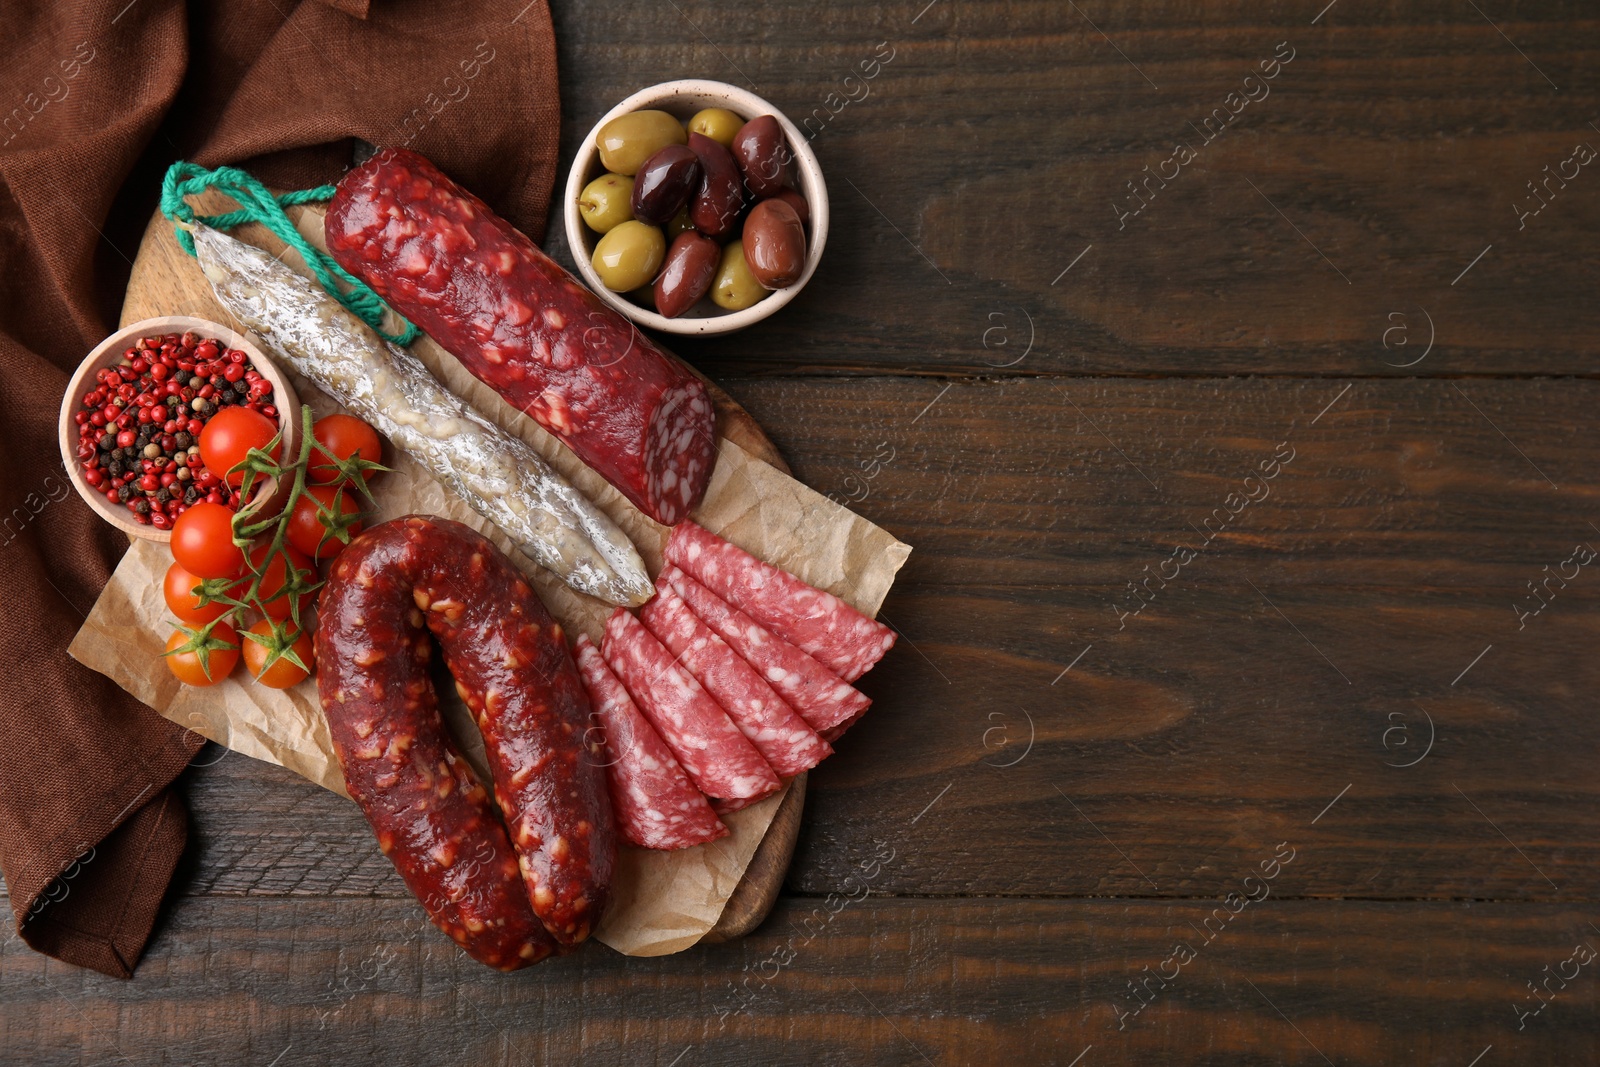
[
  {"x": 628, "y": 140},
  {"x": 714, "y": 208},
  {"x": 686, "y": 275},
  {"x": 774, "y": 244},
  {"x": 664, "y": 183},
  {"x": 717, "y": 123},
  {"x": 735, "y": 288},
  {"x": 606, "y": 201},
  {"x": 762, "y": 154},
  {"x": 629, "y": 255},
  {"x": 802, "y": 207}
]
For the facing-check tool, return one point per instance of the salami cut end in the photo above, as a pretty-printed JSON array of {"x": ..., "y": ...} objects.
[{"x": 679, "y": 452}]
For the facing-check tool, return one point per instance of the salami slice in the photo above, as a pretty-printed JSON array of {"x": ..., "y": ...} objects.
[
  {"x": 833, "y": 733},
  {"x": 844, "y": 640},
  {"x": 710, "y": 748},
  {"x": 728, "y": 807},
  {"x": 781, "y": 736},
  {"x": 656, "y": 804},
  {"x": 820, "y": 697},
  {"x": 527, "y": 329}
]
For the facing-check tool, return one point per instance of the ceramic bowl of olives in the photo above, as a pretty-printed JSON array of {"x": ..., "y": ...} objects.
[{"x": 695, "y": 207}]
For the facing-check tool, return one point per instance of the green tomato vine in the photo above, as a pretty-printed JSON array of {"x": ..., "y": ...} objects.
[{"x": 249, "y": 527}]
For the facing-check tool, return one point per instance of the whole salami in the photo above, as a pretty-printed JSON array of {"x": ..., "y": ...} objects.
[
  {"x": 656, "y": 804},
  {"x": 513, "y": 670},
  {"x": 525, "y": 327}
]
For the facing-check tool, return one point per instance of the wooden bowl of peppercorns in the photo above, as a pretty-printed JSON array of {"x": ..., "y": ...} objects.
[{"x": 191, "y": 368}]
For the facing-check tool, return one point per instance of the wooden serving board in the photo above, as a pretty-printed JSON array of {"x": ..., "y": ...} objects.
[{"x": 167, "y": 281}]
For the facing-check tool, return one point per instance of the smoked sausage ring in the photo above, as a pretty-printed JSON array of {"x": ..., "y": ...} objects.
[{"x": 509, "y": 900}]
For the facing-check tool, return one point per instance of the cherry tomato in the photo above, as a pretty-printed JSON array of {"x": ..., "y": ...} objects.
[
  {"x": 178, "y": 591},
  {"x": 202, "y": 541},
  {"x": 344, "y": 436},
  {"x": 305, "y": 525},
  {"x": 229, "y": 435},
  {"x": 186, "y": 667},
  {"x": 283, "y": 673},
  {"x": 270, "y": 592}
]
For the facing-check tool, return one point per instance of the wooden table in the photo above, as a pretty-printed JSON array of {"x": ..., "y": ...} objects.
[{"x": 1229, "y": 514}]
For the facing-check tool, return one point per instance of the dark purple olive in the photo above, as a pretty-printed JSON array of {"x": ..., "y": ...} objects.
[
  {"x": 686, "y": 275},
  {"x": 664, "y": 183},
  {"x": 762, "y": 154},
  {"x": 801, "y": 206},
  {"x": 774, "y": 244},
  {"x": 714, "y": 208}
]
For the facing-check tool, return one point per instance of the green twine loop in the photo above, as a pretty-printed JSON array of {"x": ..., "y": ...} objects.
[{"x": 259, "y": 205}]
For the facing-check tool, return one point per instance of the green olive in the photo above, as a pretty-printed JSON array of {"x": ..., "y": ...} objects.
[
  {"x": 734, "y": 287},
  {"x": 629, "y": 256},
  {"x": 628, "y": 140},
  {"x": 680, "y": 224},
  {"x": 717, "y": 123},
  {"x": 606, "y": 202}
]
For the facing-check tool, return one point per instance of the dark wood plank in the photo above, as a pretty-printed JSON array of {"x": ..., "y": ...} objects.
[
  {"x": 882, "y": 981},
  {"x": 1304, "y": 650},
  {"x": 990, "y": 151}
]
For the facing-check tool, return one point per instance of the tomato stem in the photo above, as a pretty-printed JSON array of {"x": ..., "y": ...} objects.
[{"x": 248, "y": 527}]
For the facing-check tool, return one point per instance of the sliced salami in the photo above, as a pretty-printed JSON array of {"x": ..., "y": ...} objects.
[
  {"x": 656, "y": 804},
  {"x": 833, "y": 733},
  {"x": 728, "y": 807},
  {"x": 713, "y": 752},
  {"x": 787, "y": 742},
  {"x": 815, "y": 692},
  {"x": 819, "y": 623}
]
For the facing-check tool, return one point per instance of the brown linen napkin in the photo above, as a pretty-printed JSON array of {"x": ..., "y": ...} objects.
[{"x": 103, "y": 95}]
